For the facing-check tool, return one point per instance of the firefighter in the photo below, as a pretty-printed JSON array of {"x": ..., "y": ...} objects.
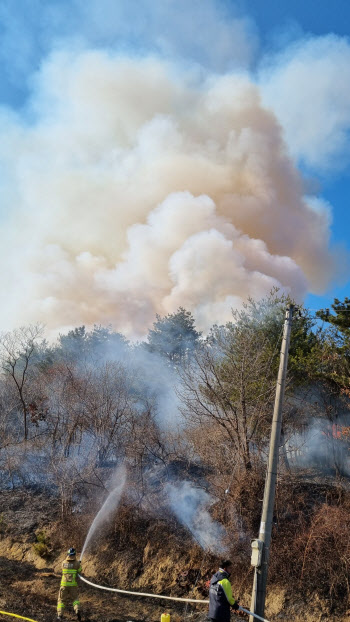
[
  {"x": 220, "y": 594},
  {"x": 68, "y": 594}
]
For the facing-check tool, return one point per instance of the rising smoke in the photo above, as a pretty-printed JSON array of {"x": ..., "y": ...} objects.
[
  {"x": 321, "y": 445},
  {"x": 139, "y": 186},
  {"x": 190, "y": 505},
  {"x": 132, "y": 184},
  {"x": 305, "y": 77}
]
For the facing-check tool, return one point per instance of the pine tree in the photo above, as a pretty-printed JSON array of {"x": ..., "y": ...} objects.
[{"x": 173, "y": 336}]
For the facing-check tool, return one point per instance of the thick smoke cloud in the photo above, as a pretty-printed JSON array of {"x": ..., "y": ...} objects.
[{"x": 137, "y": 187}]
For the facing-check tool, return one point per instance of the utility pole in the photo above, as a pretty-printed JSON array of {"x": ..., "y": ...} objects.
[{"x": 261, "y": 547}]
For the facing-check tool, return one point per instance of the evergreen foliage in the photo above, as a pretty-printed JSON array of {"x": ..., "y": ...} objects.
[{"x": 173, "y": 336}]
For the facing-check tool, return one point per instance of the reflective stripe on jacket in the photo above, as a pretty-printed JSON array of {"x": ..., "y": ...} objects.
[
  {"x": 70, "y": 569},
  {"x": 220, "y": 597}
]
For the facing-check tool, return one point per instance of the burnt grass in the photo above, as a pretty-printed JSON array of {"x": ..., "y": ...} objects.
[
  {"x": 309, "y": 558},
  {"x": 31, "y": 591}
]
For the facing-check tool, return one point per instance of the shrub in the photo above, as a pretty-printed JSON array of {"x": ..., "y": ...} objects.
[{"x": 42, "y": 545}]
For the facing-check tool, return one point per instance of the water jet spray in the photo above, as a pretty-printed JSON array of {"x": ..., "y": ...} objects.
[{"x": 109, "y": 506}]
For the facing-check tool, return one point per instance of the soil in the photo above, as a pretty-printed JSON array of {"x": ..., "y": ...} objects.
[{"x": 30, "y": 581}]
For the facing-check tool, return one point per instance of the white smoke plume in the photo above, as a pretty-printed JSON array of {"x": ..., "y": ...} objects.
[
  {"x": 189, "y": 505},
  {"x": 137, "y": 187},
  {"x": 323, "y": 445},
  {"x": 307, "y": 85}
]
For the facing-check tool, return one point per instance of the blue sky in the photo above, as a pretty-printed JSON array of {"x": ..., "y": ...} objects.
[
  {"x": 316, "y": 16},
  {"x": 296, "y": 54}
]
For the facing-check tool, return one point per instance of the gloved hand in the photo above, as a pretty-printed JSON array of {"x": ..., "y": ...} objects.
[{"x": 235, "y": 606}]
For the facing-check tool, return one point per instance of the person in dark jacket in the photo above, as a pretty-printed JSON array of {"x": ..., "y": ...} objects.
[{"x": 220, "y": 594}]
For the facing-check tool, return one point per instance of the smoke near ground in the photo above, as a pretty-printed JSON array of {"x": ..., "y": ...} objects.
[
  {"x": 134, "y": 184},
  {"x": 190, "y": 505}
]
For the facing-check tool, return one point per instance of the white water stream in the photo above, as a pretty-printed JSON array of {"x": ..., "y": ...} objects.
[{"x": 109, "y": 507}]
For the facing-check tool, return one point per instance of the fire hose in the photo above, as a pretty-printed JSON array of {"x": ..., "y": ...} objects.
[
  {"x": 184, "y": 600},
  {"x": 15, "y": 615}
]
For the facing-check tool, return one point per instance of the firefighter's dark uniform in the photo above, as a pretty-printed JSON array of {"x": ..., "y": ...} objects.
[
  {"x": 220, "y": 597},
  {"x": 68, "y": 594}
]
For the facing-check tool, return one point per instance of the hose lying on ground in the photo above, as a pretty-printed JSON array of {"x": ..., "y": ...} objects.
[
  {"x": 184, "y": 600},
  {"x": 15, "y": 615}
]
